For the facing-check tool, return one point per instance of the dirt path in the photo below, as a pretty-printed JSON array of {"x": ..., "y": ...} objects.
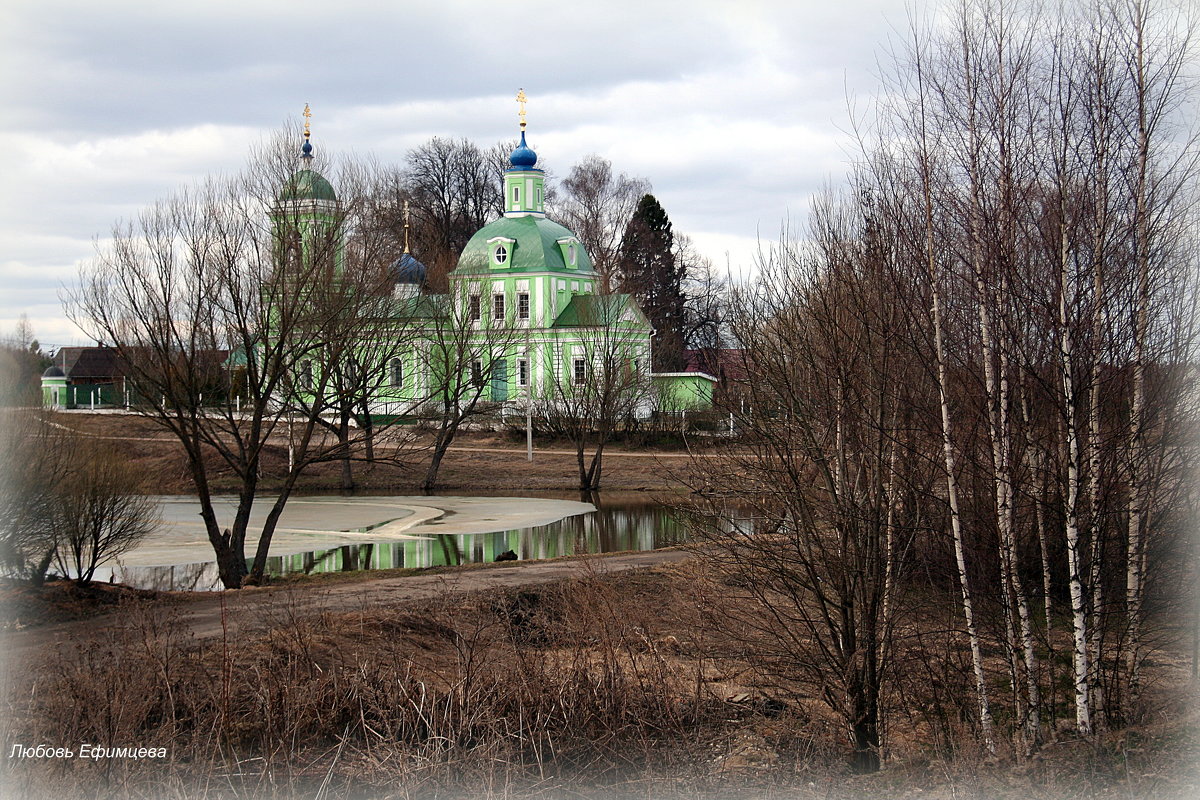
[{"x": 201, "y": 613}]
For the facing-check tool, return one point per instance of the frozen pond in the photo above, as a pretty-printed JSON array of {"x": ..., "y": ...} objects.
[
  {"x": 331, "y": 534},
  {"x": 321, "y": 522}
]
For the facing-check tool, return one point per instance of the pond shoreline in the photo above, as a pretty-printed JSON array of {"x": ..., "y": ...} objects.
[{"x": 441, "y": 531}]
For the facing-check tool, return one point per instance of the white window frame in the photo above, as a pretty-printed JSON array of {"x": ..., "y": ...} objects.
[
  {"x": 579, "y": 371},
  {"x": 522, "y": 372},
  {"x": 569, "y": 248},
  {"x": 498, "y": 308},
  {"x": 523, "y": 305},
  {"x": 501, "y": 253},
  {"x": 475, "y": 307}
]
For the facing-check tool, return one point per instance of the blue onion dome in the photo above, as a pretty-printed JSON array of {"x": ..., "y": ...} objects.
[
  {"x": 407, "y": 270},
  {"x": 523, "y": 157},
  {"x": 54, "y": 371}
]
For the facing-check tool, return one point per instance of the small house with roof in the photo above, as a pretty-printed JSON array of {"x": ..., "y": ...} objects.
[{"x": 84, "y": 377}]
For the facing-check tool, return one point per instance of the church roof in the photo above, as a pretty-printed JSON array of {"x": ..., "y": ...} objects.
[
  {"x": 537, "y": 246},
  {"x": 406, "y": 269},
  {"x": 307, "y": 184},
  {"x": 523, "y": 157},
  {"x": 420, "y": 308},
  {"x": 597, "y": 310}
]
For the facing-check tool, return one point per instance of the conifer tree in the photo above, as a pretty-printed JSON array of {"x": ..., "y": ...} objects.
[{"x": 652, "y": 272}]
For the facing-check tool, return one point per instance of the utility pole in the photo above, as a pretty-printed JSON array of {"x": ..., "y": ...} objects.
[{"x": 528, "y": 426}]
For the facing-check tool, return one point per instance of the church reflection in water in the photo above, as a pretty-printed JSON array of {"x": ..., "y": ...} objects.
[{"x": 609, "y": 529}]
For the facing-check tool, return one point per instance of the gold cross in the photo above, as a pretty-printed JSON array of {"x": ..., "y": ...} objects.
[
  {"x": 307, "y": 117},
  {"x": 406, "y": 225},
  {"x": 521, "y": 100}
]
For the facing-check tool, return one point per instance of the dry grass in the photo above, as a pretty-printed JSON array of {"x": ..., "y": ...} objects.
[
  {"x": 603, "y": 687},
  {"x": 23, "y": 605}
]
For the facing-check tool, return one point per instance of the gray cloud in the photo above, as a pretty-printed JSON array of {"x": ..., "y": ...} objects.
[{"x": 733, "y": 110}]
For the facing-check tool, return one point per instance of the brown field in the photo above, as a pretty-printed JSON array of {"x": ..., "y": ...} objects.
[
  {"x": 494, "y": 682},
  {"x": 479, "y": 460},
  {"x": 597, "y": 677}
]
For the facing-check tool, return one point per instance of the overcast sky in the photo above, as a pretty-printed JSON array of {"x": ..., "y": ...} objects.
[{"x": 736, "y": 112}]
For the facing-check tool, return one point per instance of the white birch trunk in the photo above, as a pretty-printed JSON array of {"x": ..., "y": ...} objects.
[
  {"x": 1135, "y": 554},
  {"x": 985, "y": 711},
  {"x": 1080, "y": 661},
  {"x": 925, "y": 165}
]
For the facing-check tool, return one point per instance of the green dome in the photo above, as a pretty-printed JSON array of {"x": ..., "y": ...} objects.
[
  {"x": 308, "y": 185},
  {"x": 539, "y": 247}
]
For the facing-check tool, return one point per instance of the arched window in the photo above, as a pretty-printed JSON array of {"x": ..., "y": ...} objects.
[
  {"x": 500, "y": 254},
  {"x": 397, "y": 373}
]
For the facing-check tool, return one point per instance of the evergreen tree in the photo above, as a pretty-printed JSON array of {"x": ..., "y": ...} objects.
[
  {"x": 652, "y": 272},
  {"x": 21, "y": 363}
]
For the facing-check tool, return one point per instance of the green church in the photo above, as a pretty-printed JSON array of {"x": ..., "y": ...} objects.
[{"x": 526, "y": 296}]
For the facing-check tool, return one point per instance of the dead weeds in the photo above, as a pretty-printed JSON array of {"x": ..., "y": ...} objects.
[{"x": 603, "y": 686}]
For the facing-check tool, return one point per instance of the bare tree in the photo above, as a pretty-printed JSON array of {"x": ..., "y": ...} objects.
[
  {"x": 223, "y": 302},
  {"x": 361, "y": 336},
  {"x": 909, "y": 182},
  {"x": 1158, "y": 180},
  {"x": 822, "y": 469},
  {"x": 99, "y": 511},
  {"x": 597, "y": 205},
  {"x": 598, "y": 383},
  {"x": 464, "y": 342},
  {"x": 1020, "y": 133},
  {"x": 706, "y": 289},
  {"x": 35, "y": 457},
  {"x": 455, "y": 188}
]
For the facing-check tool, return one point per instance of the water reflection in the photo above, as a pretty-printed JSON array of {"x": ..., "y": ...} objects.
[{"x": 610, "y": 529}]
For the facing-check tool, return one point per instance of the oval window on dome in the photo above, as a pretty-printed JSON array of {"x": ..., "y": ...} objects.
[
  {"x": 571, "y": 256},
  {"x": 500, "y": 254}
]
